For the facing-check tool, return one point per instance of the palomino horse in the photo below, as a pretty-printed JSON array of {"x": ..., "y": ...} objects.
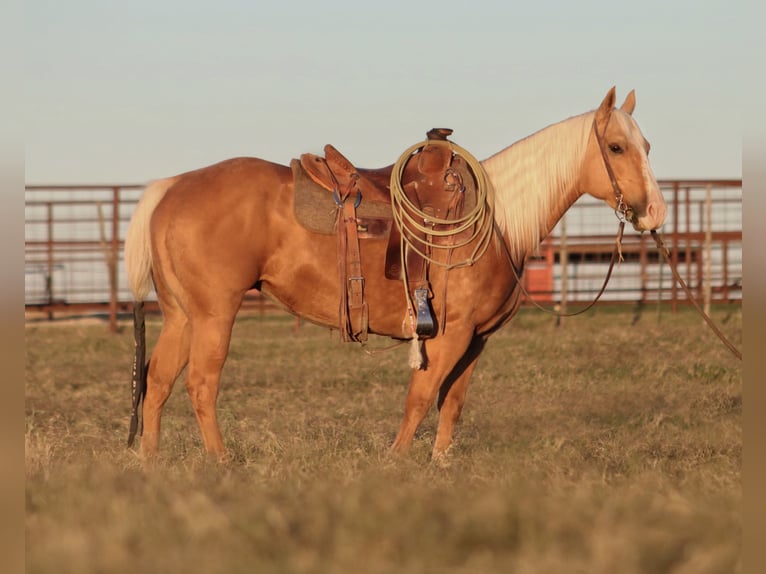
[{"x": 206, "y": 237}]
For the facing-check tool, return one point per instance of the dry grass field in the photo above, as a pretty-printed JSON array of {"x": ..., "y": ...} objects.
[{"x": 597, "y": 447}]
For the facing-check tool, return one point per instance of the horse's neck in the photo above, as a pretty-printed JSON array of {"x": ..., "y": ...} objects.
[{"x": 535, "y": 182}]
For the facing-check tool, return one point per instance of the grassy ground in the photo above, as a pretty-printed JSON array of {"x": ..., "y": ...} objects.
[{"x": 597, "y": 447}]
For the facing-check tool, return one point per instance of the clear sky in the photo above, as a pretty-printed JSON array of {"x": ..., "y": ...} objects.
[{"x": 124, "y": 92}]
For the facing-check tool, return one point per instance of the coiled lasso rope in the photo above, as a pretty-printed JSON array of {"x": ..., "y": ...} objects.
[{"x": 411, "y": 220}]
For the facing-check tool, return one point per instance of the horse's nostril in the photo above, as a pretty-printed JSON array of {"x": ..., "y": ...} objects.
[
  {"x": 655, "y": 215},
  {"x": 657, "y": 211}
]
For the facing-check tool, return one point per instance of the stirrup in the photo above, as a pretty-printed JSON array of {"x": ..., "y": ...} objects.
[{"x": 425, "y": 326}]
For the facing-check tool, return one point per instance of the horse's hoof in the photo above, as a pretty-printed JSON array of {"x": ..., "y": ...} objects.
[{"x": 442, "y": 458}]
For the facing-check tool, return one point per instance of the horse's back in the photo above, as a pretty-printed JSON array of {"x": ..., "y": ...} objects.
[
  {"x": 230, "y": 175},
  {"x": 217, "y": 193}
]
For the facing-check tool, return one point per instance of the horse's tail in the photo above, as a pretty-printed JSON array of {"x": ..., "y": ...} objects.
[
  {"x": 138, "y": 251},
  {"x": 138, "y": 262},
  {"x": 140, "y": 371}
]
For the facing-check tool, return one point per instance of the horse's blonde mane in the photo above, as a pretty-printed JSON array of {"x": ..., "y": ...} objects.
[{"x": 532, "y": 178}]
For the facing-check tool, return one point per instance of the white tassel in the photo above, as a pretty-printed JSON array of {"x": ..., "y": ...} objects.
[{"x": 416, "y": 355}]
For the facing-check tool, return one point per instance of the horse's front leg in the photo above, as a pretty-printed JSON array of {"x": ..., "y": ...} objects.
[
  {"x": 442, "y": 354},
  {"x": 452, "y": 396}
]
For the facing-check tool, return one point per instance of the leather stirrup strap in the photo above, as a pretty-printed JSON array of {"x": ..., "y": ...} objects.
[{"x": 356, "y": 325}]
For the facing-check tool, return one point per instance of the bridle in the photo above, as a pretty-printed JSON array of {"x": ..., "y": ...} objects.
[{"x": 623, "y": 211}]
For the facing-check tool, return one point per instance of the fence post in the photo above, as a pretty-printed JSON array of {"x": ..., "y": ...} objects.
[
  {"x": 687, "y": 241},
  {"x": 563, "y": 264},
  {"x": 725, "y": 264},
  {"x": 707, "y": 273},
  {"x": 674, "y": 253},
  {"x": 49, "y": 254},
  {"x": 113, "y": 259}
]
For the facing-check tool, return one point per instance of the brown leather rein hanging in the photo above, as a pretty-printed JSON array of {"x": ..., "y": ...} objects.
[{"x": 666, "y": 254}]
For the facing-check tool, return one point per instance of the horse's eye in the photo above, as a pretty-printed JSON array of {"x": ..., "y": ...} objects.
[{"x": 615, "y": 148}]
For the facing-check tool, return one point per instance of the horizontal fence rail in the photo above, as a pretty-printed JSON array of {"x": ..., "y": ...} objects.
[{"x": 74, "y": 238}]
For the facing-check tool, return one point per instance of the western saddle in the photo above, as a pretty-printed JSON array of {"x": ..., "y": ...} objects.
[{"x": 438, "y": 185}]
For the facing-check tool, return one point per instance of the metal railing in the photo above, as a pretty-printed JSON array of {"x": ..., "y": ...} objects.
[{"x": 74, "y": 240}]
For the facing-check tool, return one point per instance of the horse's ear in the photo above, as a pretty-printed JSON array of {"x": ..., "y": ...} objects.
[
  {"x": 630, "y": 103},
  {"x": 606, "y": 107}
]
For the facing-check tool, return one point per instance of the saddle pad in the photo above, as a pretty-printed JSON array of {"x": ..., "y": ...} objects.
[{"x": 316, "y": 211}]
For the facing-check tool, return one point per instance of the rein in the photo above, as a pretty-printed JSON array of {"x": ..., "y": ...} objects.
[
  {"x": 616, "y": 256},
  {"x": 666, "y": 254}
]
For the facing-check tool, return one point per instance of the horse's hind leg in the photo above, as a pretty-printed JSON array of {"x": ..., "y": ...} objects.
[
  {"x": 168, "y": 359},
  {"x": 211, "y": 334}
]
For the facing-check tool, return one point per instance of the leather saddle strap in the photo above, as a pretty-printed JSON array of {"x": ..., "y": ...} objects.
[
  {"x": 454, "y": 181},
  {"x": 355, "y": 328}
]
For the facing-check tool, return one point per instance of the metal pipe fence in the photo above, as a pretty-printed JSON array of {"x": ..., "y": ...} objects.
[{"x": 74, "y": 237}]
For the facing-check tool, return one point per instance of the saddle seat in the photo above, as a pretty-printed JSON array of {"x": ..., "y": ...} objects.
[{"x": 335, "y": 171}]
